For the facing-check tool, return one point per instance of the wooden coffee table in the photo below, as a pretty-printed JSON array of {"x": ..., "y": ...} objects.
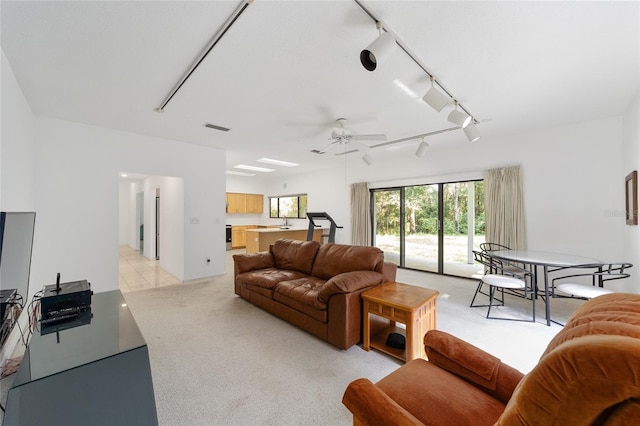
[{"x": 397, "y": 302}]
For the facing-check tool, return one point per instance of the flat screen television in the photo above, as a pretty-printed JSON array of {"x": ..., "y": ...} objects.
[{"x": 16, "y": 242}]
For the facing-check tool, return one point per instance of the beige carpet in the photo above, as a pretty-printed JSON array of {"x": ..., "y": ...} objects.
[{"x": 217, "y": 359}]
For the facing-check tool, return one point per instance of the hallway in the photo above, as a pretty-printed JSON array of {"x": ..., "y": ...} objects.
[{"x": 136, "y": 272}]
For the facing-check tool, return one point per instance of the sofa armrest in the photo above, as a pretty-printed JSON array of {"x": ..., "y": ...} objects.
[
  {"x": 349, "y": 282},
  {"x": 252, "y": 261},
  {"x": 472, "y": 364},
  {"x": 371, "y": 406},
  {"x": 389, "y": 271}
]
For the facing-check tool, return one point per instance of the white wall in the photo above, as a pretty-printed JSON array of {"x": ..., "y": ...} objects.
[
  {"x": 124, "y": 207},
  {"x": 631, "y": 161},
  {"x": 17, "y": 141},
  {"x": 77, "y": 200},
  {"x": 17, "y": 172},
  {"x": 172, "y": 222}
]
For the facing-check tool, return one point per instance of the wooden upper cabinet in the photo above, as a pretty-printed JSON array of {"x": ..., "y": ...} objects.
[
  {"x": 244, "y": 203},
  {"x": 236, "y": 203},
  {"x": 255, "y": 203}
]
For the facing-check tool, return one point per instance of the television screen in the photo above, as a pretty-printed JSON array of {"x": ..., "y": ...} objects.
[{"x": 16, "y": 242}]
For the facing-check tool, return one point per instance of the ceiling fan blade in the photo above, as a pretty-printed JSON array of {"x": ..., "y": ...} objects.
[
  {"x": 377, "y": 137},
  {"x": 346, "y": 152},
  {"x": 359, "y": 146},
  {"x": 325, "y": 149}
]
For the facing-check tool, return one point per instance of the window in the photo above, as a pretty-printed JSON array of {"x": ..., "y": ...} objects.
[{"x": 288, "y": 206}]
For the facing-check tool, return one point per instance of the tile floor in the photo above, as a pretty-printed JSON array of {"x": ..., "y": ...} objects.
[{"x": 137, "y": 272}]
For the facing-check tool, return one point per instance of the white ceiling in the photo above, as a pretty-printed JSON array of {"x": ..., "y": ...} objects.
[{"x": 287, "y": 69}]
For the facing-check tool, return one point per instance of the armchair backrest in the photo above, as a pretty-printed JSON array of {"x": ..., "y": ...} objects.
[{"x": 590, "y": 371}]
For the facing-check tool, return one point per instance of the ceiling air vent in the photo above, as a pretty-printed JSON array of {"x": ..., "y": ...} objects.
[{"x": 213, "y": 126}]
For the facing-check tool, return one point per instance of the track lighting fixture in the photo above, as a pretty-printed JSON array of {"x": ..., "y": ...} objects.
[
  {"x": 422, "y": 149},
  {"x": 460, "y": 118},
  {"x": 367, "y": 159},
  {"x": 377, "y": 51},
  {"x": 471, "y": 131},
  {"x": 435, "y": 98}
]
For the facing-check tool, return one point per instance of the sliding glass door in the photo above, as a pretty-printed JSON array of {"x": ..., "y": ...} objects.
[
  {"x": 430, "y": 227},
  {"x": 386, "y": 222},
  {"x": 421, "y": 227},
  {"x": 463, "y": 226}
]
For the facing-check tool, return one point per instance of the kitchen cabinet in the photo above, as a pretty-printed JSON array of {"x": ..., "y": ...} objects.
[
  {"x": 244, "y": 203},
  {"x": 239, "y": 235},
  {"x": 255, "y": 203}
]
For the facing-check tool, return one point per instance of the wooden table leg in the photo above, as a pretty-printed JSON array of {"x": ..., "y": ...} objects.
[{"x": 366, "y": 327}]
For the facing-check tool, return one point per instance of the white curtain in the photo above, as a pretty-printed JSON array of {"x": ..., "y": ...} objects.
[
  {"x": 360, "y": 214},
  {"x": 504, "y": 208}
]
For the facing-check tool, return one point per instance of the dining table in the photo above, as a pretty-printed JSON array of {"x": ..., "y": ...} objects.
[{"x": 544, "y": 260}]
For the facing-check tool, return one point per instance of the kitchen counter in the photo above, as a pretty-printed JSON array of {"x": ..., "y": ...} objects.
[{"x": 261, "y": 238}]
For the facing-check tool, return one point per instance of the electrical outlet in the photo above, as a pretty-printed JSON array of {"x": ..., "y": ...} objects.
[{"x": 194, "y": 220}]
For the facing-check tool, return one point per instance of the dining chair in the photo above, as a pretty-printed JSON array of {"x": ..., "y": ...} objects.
[
  {"x": 573, "y": 285},
  {"x": 494, "y": 265},
  {"x": 502, "y": 275},
  {"x": 493, "y": 247}
]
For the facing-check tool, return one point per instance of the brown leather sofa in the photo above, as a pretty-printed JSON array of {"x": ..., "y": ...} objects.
[
  {"x": 588, "y": 375},
  {"x": 314, "y": 287}
]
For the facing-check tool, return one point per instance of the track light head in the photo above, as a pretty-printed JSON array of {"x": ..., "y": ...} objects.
[
  {"x": 472, "y": 133},
  {"x": 422, "y": 149},
  {"x": 378, "y": 51},
  {"x": 460, "y": 118},
  {"x": 367, "y": 159},
  {"x": 435, "y": 98}
]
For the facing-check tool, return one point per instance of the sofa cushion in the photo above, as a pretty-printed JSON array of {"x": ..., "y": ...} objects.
[
  {"x": 349, "y": 282},
  {"x": 295, "y": 255},
  {"x": 427, "y": 392},
  {"x": 267, "y": 278},
  {"x": 333, "y": 259},
  {"x": 302, "y": 295},
  {"x": 250, "y": 262}
]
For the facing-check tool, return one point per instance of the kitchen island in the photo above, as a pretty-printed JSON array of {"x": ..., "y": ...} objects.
[{"x": 261, "y": 238}]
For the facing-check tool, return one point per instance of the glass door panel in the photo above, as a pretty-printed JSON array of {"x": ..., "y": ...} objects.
[
  {"x": 421, "y": 227},
  {"x": 463, "y": 226},
  {"x": 386, "y": 222}
]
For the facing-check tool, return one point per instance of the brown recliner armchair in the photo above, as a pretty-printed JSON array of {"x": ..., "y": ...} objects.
[{"x": 588, "y": 375}]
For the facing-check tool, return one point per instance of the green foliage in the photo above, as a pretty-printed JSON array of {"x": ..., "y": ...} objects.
[{"x": 421, "y": 209}]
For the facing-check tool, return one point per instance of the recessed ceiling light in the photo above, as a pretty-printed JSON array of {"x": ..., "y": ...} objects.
[
  {"x": 253, "y": 168},
  {"x": 277, "y": 162},
  {"x": 232, "y": 172},
  {"x": 123, "y": 175}
]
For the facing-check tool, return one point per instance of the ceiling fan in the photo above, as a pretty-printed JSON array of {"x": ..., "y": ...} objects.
[{"x": 342, "y": 136}]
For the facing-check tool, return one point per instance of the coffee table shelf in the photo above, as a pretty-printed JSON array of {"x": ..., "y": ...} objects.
[{"x": 393, "y": 302}]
